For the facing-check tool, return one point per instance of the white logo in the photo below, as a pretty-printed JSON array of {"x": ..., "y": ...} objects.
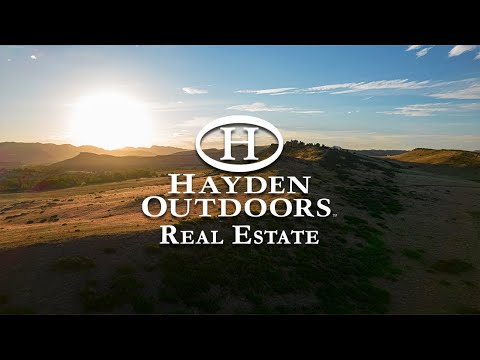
[{"x": 250, "y": 142}]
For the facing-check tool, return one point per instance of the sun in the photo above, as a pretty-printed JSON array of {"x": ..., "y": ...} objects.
[{"x": 110, "y": 121}]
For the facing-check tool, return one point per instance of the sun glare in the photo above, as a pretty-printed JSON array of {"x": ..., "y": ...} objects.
[{"x": 111, "y": 121}]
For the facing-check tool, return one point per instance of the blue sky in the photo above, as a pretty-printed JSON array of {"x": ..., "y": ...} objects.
[{"x": 396, "y": 97}]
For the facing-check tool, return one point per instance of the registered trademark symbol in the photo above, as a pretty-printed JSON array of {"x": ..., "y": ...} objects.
[{"x": 334, "y": 215}]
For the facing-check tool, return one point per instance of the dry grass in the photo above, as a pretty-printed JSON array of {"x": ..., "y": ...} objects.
[
  {"x": 93, "y": 210},
  {"x": 425, "y": 221},
  {"x": 458, "y": 158}
]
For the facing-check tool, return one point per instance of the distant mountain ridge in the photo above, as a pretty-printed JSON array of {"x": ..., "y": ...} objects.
[
  {"x": 18, "y": 154},
  {"x": 87, "y": 161},
  {"x": 103, "y": 162}
]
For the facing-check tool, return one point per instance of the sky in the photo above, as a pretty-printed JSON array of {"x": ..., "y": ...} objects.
[{"x": 357, "y": 97}]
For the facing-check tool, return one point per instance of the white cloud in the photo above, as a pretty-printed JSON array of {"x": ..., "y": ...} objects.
[
  {"x": 431, "y": 109},
  {"x": 470, "y": 92},
  {"x": 423, "y": 52},
  {"x": 194, "y": 91},
  {"x": 331, "y": 87},
  {"x": 33, "y": 57},
  {"x": 309, "y": 112},
  {"x": 460, "y": 49},
  {"x": 382, "y": 85},
  {"x": 347, "y": 87},
  {"x": 472, "y": 106},
  {"x": 413, "y": 47},
  {"x": 418, "y": 109},
  {"x": 352, "y": 87},
  {"x": 262, "y": 107},
  {"x": 477, "y": 57},
  {"x": 266, "y": 91},
  {"x": 258, "y": 107},
  {"x": 286, "y": 92}
]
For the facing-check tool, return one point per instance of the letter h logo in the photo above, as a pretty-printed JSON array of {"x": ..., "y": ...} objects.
[{"x": 228, "y": 143}]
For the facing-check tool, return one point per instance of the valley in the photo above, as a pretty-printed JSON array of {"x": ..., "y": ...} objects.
[{"x": 405, "y": 240}]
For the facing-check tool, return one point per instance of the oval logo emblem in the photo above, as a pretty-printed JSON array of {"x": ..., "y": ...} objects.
[{"x": 254, "y": 124}]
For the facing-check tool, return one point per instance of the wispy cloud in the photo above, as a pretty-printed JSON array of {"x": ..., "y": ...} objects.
[
  {"x": 194, "y": 91},
  {"x": 348, "y": 87},
  {"x": 464, "y": 89},
  {"x": 383, "y": 85},
  {"x": 329, "y": 87},
  {"x": 460, "y": 49},
  {"x": 266, "y": 91},
  {"x": 262, "y": 107},
  {"x": 472, "y": 106},
  {"x": 413, "y": 47},
  {"x": 33, "y": 57},
  {"x": 467, "y": 93},
  {"x": 259, "y": 107},
  {"x": 477, "y": 57},
  {"x": 430, "y": 109},
  {"x": 455, "y": 51},
  {"x": 418, "y": 109},
  {"x": 309, "y": 112},
  {"x": 423, "y": 52}
]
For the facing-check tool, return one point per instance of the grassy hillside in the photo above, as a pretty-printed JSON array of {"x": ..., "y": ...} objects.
[
  {"x": 375, "y": 152},
  {"x": 456, "y": 158},
  {"x": 401, "y": 241}
]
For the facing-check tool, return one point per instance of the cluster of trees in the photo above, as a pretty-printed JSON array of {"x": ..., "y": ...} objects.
[
  {"x": 295, "y": 144},
  {"x": 41, "y": 179}
]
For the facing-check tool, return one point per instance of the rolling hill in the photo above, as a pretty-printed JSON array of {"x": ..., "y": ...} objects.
[
  {"x": 44, "y": 154},
  {"x": 395, "y": 232},
  {"x": 102, "y": 162},
  {"x": 87, "y": 161},
  {"x": 455, "y": 158}
]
